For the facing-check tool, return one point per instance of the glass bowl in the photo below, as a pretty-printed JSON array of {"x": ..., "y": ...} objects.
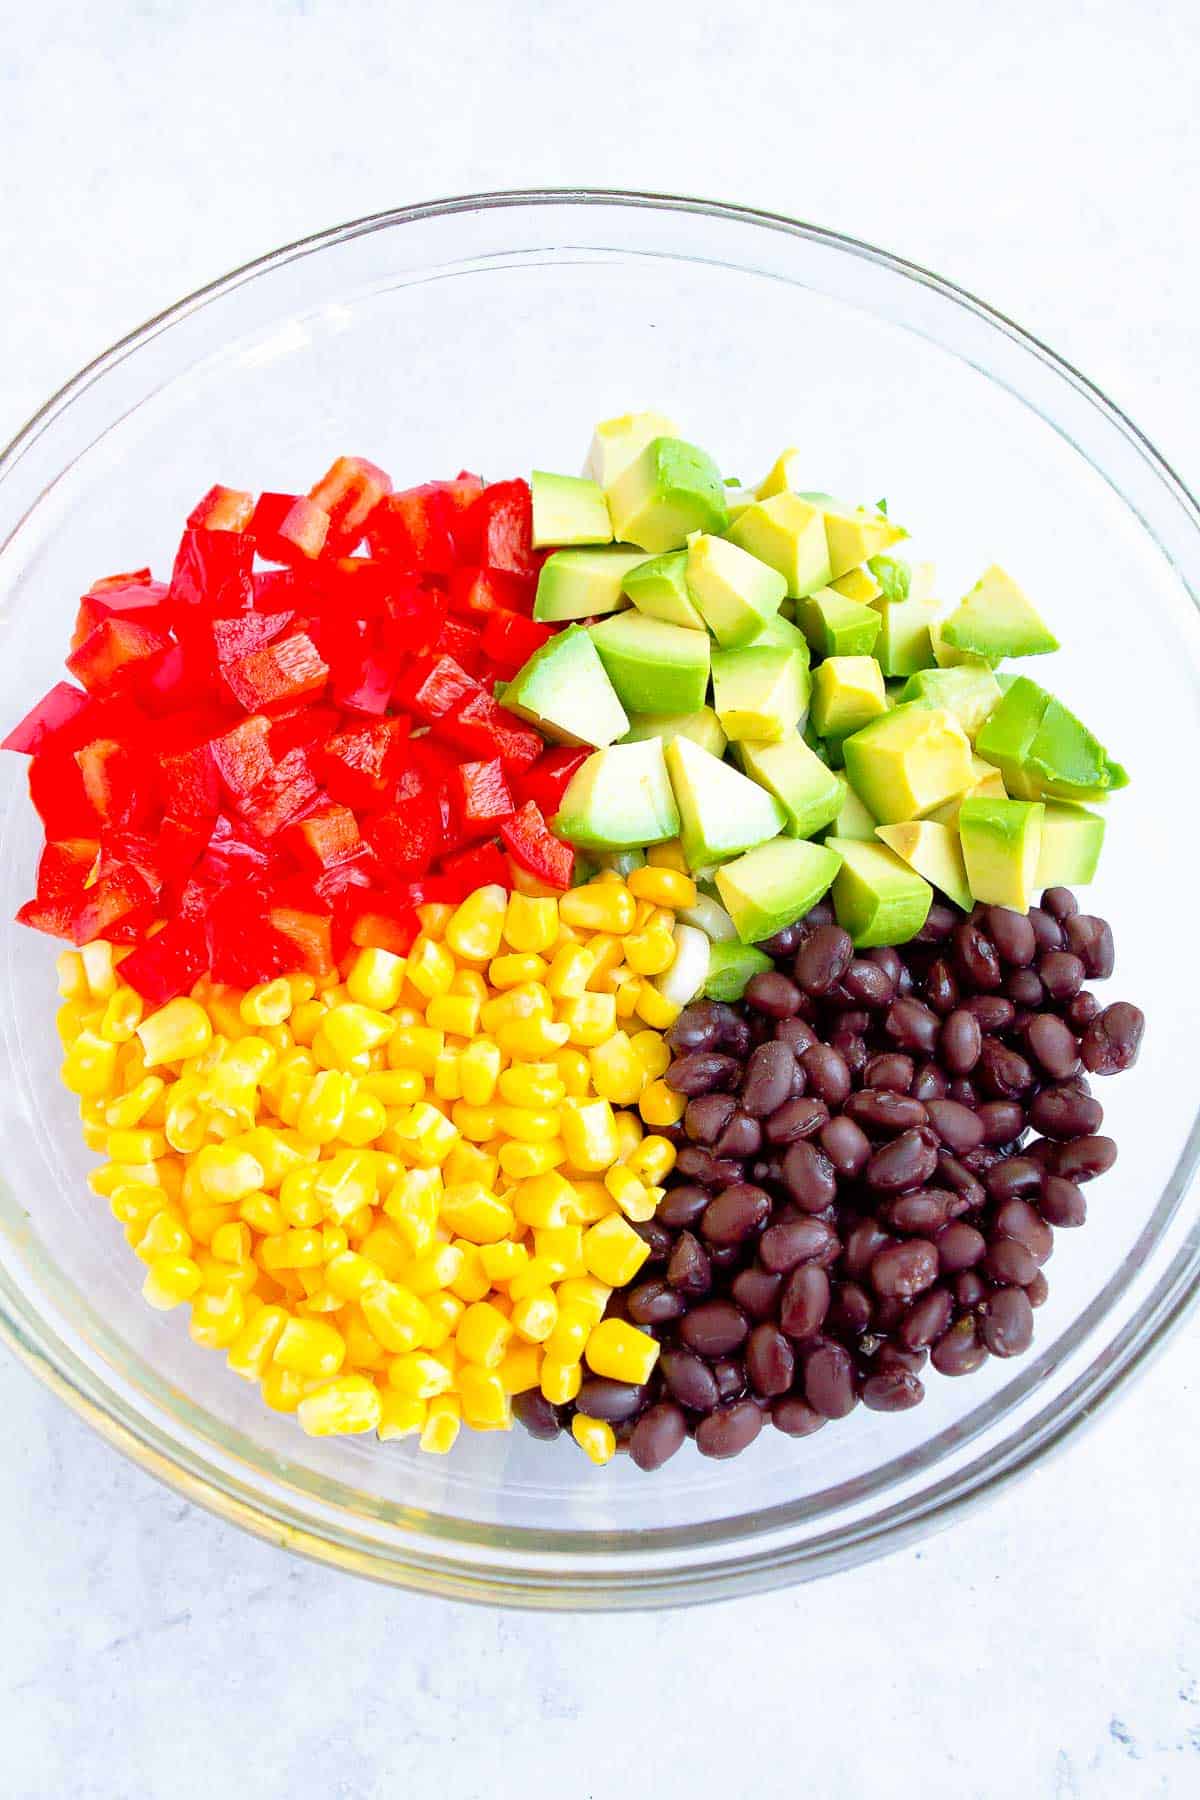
[{"x": 492, "y": 331}]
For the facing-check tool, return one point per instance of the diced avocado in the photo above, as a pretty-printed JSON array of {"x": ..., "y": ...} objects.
[
  {"x": 782, "y": 477},
  {"x": 788, "y": 534},
  {"x": 1072, "y": 839},
  {"x": 997, "y": 620},
  {"x": 652, "y": 665},
  {"x": 986, "y": 783},
  {"x": 782, "y": 635},
  {"x": 568, "y": 509},
  {"x": 922, "y": 579},
  {"x": 564, "y": 691},
  {"x": 971, "y": 692},
  {"x": 836, "y": 626},
  {"x": 668, "y": 491},
  {"x": 582, "y": 584},
  {"x": 618, "y": 798},
  {"x": 944, "y": 655},
  {"x": 658, "y": 588},
  {"x": 617, "y": 441},
  {"x": 774, "y": 885},
  {"x": 904, "y": 645},
  {"x": 934, "y": 852},
  {"x": 855, "y": 534},
  {"x": 877, "y": 897},
  {"x": 1006, "y": 737},
  {"x": 857, "y": 584},
  {"x": 1042, "y": 750},
  {"x": 737, "y": 499},
  {"x": 730, "y": 967},
  {"x": 702, "y": 726},
  {"x": 908, "y": 762},
  {"x": 760, "y": 692},
  {"x": 736, "y": 594},
  {"x": 894, "y": 577},
  {"x": 852, "y": 820},
  {"x": 721, "y": 812},
  {"x": 847, "y": 692},
  {"x": 809, "y": 792},
  {"x": 1001, "y": 844}
]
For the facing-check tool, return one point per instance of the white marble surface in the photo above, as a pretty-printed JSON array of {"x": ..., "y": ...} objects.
[{"x": 1046, "y": 157}]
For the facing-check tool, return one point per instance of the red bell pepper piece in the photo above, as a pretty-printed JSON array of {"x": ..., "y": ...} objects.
[
  {"x": 247, "y": 632},
  {"x": 243, "y": 756},
  {"x": 379, "y": 930},
  {"x": 143, "y": 601},
  {"x": 502, "y": 521},
  {"x": 364, "y": 684},
  {"x": 189, "y": 784},
  {"x": 416, "y": 527},
  {"x": 222, "y": 509},
  {"x": 105, "y": 584},
  {"x": 349, "y": 492},
  {"x": 483, "y": 798},
  {"x": 509, "y": 640},
  {"x": 53, "y": 712},
  {"x": 289, "y": 528},
  {"x": 177, "y": 680},
  {"x": 462, "y": 643},
  {"x": 326, "y": 837},
  {"x": 359, "y": 765},
  {"x": 234, "y": 852},
  {"x": 434, "y": 688},
  {"x": 275, "y": 590},
  {"x": 112, "y": 655},
  {"x": 285, "y": 794},
  {"x": 485, "y": 865},
  {"x": 547, "y": 781},
  {"x": 530, "y": 843},
  {"x": 120, "y": 899},
  {"x": 119, "y": 781},
  {"x": 179, "y": 848},
  {"x": 244, "y": 946},
  {"x": 283, "y": 674},
  {"x": 308, "y": 936},
  {"x": 57, "y": 791},
  {"x": 212, "y": 572},
  {"x": 171, "y": 963},
  {"x": 477, "y": 593},
  {"x": 407, "y": 841},
  {"x": 482, "y": 727},
  {"x": 63, "y": 870},
  {"x": 461, "y": 495}
]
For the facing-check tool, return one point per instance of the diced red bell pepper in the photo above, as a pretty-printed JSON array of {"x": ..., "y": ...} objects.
[
  {"x": 189, "y": 784},
  {"x": 212, "y": 572},
  {"x": 119, "y": 781},
  {"x": 307, "y": 728},
  {"x": 548, "y": 779},
  {"x": 501, "y": 522},
  {"x": 105, "y": 584},
  {"x": 363, "y": 684},
  {"x": 175, "y": 681},
  {"x": 285, "y": 794},
  {"x": 171, "y": 963},
  {"x": 326, "y": 837},
  {"x": 509, "y": 640},
  {"x": 53, "y": 712},
  {"x": 416, "y": 527},
  {"x": 120, "y": 900},
  {"x": 359, "y": 765},
  {"x": 288, "y": 528},
  {"x": 414, "y": 612},
  {"x": 63, "y": 871},
  {"x": 461, "y": 495},
  {"x": 240, "y": 636},
  {"x": 477, "y": 593},
  {"x": 143, "y": 601},
  {"x": 112, "y": 655},
  {"x": 244, "y": 945},
  {"x": 485, "y": 865},
  {"x": 222, "y": 509},
  {"x": 461, "y": 642},
  {"x": 283, "y": 674},
  {"x": 349, "y": 492},
  {"x": 243, "y": 756},
  {"x": 482, "y": 727},
  {"x": 435, "y": 687},
  {"x": 275, "y": 590},
  {"x": 483, "y": 798},
  {"x": 309, "y": 936},
  {"x": 179, "y": 848},
  {"x": 407, "y": 841},
  {"x": 234, "y": 852},
  {"x": 57, "y": 791},
  {"x": 378, "y": 919},
  {"x": 530, "y": 842}
]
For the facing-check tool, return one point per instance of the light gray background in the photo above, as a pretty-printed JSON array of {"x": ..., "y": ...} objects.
[{"x": 1045, "y": 156}]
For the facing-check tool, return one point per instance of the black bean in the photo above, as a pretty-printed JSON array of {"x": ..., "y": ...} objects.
[
  {"x": 805, "y": 1301},
  {"x": 829, "y": 1381},
  {"x": 904, "y": 1270},
  {"x": 714, "y": 1327},
  {"x": 690, "y": 1380},
  {"x": 1007, "y": 1322},
  {"x": 730, "y": 1377},
  {"x": 1113, "y": 1038},
  {"x": 655, "y": 1303},
  {"x": 1038, "y": 1291},
  {"x": 964, "y": 1091},
  {"x": 733, "y": 1030},
  {"x": 892, "y": 1390},
  {"x": 736, "y": 1214},
  {"x": 770, "y": 1361},
  {"x": 532, "y": 1410},
  {"x": 613, "y": 1401},
  {"x": 919, "y": 1214},
  {"x": 768, "y": 1080},
  {"x": 697, "y": 1027},
  {"x": 1081, "y": 1010},
  {"x": 697, "y": 1164},
  {"x": 658, "y": 1434},
  {"x": 1012, "y": 1176},
  {"x": 885, "y": 957},
  {"x": 729, "y": 1430},
  {"x": 968, "y": 1288},
  {"x": 1003, "y": 1072},
  {"x": 742, "y": 1137},
  {"x": 1062, "y": 1203},
  {"x": 689, "y": 1269},
  {"x": 656, "y": 1237},
  {"x": 706, "y": 1118},
  {"x": 955, "y": 1175},
  {"x": 1059, "y": 902},
  {"x": 1002, "y": 1121},
  {"x": 797, "y": 1034},
  {"x": 798, "y": 1118},
  {"x": 809, "y": 1177},
  {"x": 895, "y": 1356},
  {"x": 993, "y": 1011},
  {"x": 1053, "y": 1045},
  {"x": 852, "y": 1048},
  {"x": 846, "y": 1145},
  {"x": 799, "y": 1240},
  {"x": 1091, "y": 940},
  {"x": 959, "y": 1246},
  {"x": 959, "y": 1350},
  {"x": 1046, "y": 929},
  {"x": 827, "y": 1073},
  {"x": 795, "y": 1418},
  {"x": 1009, "y": 1263},
  {"x": 907, "y": 1162},
  {"x": 784, "y": 942},
  {"x": 926, "y": 1319},
  {"x": 1063, "y": 1113},
  {"x": 957, "y": 1126},
  {"x": 1025, "y": 990},
  {"x": 1013, "y": 936},
  {"x": 773, "y": 994},
  {"x": 1017, "y": 1219},
  {"x": 756, "y": 1290},
  {"x": 976, "y": 956},
  {"x": 941, "y": 988},
  {"x": 912, "y": 1025},
  {"x": 823, "y": 958},
  {"x": 939, "y": 923},
  {"x": 885, "y": 1112},
  {"x": 960, "y": 1041},
  {"x": 682, "y": 1206},
  {"x": 1084, "y": 1158},
  {"x": 850, "y": 1309},
  {"x": 930, "y": 1083},
  {"x": 702, "y": 1072},
  {"x": 1061, "y": 974},
  {"x": 820, "y": 914},
  {"x": 868, "y": 984}
]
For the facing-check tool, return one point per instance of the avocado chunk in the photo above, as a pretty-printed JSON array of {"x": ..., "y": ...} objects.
[
  {"x": 616, "y": 442},
  {"x": 996, "y": 620},
  {"x": 702, "y": 726},
  {"x": 658, "y": 588},
  {"x": 1001, "y": 845},
  {"x": 971, "y": 692},
  {"x": 782, "y": 477},
  {"x": 894, "y": 577},
  {"x": 847, "y": 692},
  {"x": 852, "y": 820},
  {"x": 721, "y": 812},
  {"x": 736, "y": 594},
  {"x": 904, "y": 646},
  {"x": 908, "y": 762},
  {"x": 986, "y": 782},
  {"x": 944, "y": 655},
  {"x": 564, "y": 691},
  {"x": 668, "y": 491},
  {"x": 620, "y": 797},
  {"x": 1043, "y": 750},
  {"x": 652, "y": 665},
  {"x": 774, "y": 885},
  {"x": 855, "y": 534},
  {"x": 761, "y": 692},
  {"x": 836, "y": 626},
  {"x": 934, "y": 852},
  {"x": 730, "y": 967},
  {"x": 782, "y": 635},
  {"x": 568, "y": 509},
  {"x": 809, "y": 792},
  {"x": 788, "y": 534},
  {"x": 582, "y": 584},
  {"x": 858, "y": 584},
  {"x": 1072, "y": 839},
  {"x": 878, "y": 899}
]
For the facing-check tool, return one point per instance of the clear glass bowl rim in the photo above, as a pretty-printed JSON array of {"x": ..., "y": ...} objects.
[{"x": 737, "y": 1566}]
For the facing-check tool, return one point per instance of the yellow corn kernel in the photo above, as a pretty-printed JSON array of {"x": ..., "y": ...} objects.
[
  {"x": 132, "y": 1107},
  {"x": 654, "y": 1009},
  {"x": 650, "y": 952},
  {"x": 660, "y": 1105},
  {"x": 592, "y": 1199},
  {"x": 232, "y": 1242},
  {"x": 561, "y": 1381},
  {"x": 470, "y": 1284},
  {"x": 474, "y": 930},
  {"x": 72, "y": 976},
  {"x": 626, "y": 996},
  {"x": 528, "y": 1124},
  {"x": 613, "y": 1251},
  {"x": 310, "y": 1347},
  {"x": 599, "y": 906},
  {"x": 397, "y": 1318},
  {"x": 435, "y": 1271},
  {"x": 531, "y": 1278},
  {"x": 561, "y": 1248},
  {"x": 363, "y": 1349},
  {"x": 435, "y": 916},
  {"x": 297, "y": 1249},
  {"x": 530, "y": 924},
  {"x": 282, "y": 1389},
  {"x": 399, "y": 1417},
  {"x": 629, "y": 1133},
  {"x": 529, "y": 1039},
  {"x": 665, "y": 886},
  {"x": 134, "y": 1205},
  {"x": 574, "y": 1072},
  {"x": 570, "y": 1332},
  {"x": 467, "y": 1162},
  {"x": 225, "y": 1174},
  {"x": 589, "y": 1134},
  {"x": 520, "y": 1161},
  {"x": 547, "y": 1199},
  {"x": 667, "y": 856},
  {"x": 415, "y": 1047},
  {"x": 606, "y": 954},
  {"x": 99, "y": 968},
  {"x": 90, "y": 1066},
  {"x": 418, "y": 1375},
  {"x": 324, "y": 1106},
  {"x": 569, "y": 970},
  {"x": 651, "y": 1050},
  {"x": 652, "y": 1159},
  {"x": 393, "y": 1087},
  {"x": 165, "y": 1235},
  {"x": 476, "y": 1123},
  {"x": 349, "y": 1274},
  {"x": 478, "y": 1071},
  {"x": 250, "y": 1353},
  {"x": 351, "y": 1404},
  {"x": 94, "y": 1136},
  {"x": 443, "y": 1418},
  {"x": 447, "y": 1082},
  {"x": 535, "y": 1317},
  {"x": 501, "y": 1261},
  {"x": 589, "y": 1019},
  {"x": 269, "y": 1003},
  {"x": 456, "y": 1013},
  {"x": 217, "y": 1318},
  {"x": 595, "y": 1438},
  {"x": 471, "y": 1212},
  {"x": 352, "y": 1029},
  {"x": 621, "y": 1352},
  {"x": 364, "y": 1120},
  {"x": 630, "y": 1194},
  {"x": 72, "y": 1017},
  {"x": 135, "y": 1145},
  {"x": 110, "y": 1176},
  {"x": 515, "y": 969},
  {"x": 586, "y": 1294},
  {"x": 306, "y": 1020},
  {"x": 376, "y": 979},
  {"x": 483, "y": 1334},
  {"x": 429, "y": 967},
  {"x": 521, "y": 1368},
  {"x": 616, "y": 1069},
  {"x": 484, "y": 1399},
  {"x": 429, "y": 1136},
  {"x": 445, "y": 1310},
  {"x": 532, "y": 1084},
  {"x": 170, "y": 1280},
  {"x": 177, "y": 1030},
  {"x": 263, "y": 1214},
  {"x": 122, "y": 1015},
  {"x": 413, "y": 1206},
  {"x": 298, "y": 1201}
]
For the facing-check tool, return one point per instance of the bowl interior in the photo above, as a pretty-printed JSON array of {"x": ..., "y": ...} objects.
[{"x": 493, "y": 339}]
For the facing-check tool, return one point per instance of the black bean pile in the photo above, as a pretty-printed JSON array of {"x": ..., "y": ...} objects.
[{"x": 857, "y": 1191}]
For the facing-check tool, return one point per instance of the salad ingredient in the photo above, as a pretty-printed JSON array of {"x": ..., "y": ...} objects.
[
  {"x": 702, "y": 726},
  {"x": 835, "y": 625},
  {"x": 997, "y": 620},
  {"x": 760, "y": 693},
  {"x": 935, "y": 852},
  {"x": 720, "y": 811},
  {"x": 618, "y": 797},
  {"x": 581, "y": 584},
  {"x": 879, "y": 899},
  {"x": 653, "y": 665},
  {"x": 616, "y": 442},
  {"x": 788, "y": 534},
  {"x": 1072, "y": 839},
  {"x": 971, "y": 692},
  {"x": 568, "y": 509},
  {"x": 904, "y": 645},
  {"x": 771, "y": 886},
  {"x": 807, "y": 789},
  {"x": 908, "y": 762},
  {"x": 1001, "y": 845},
  {"x": 848, "y": 692},
  {"x": 658, "y": 588},
  {"x": 736, "y": 594},
  {"x": 565, "y": 691},
  {"x": 667, "y": 492}
]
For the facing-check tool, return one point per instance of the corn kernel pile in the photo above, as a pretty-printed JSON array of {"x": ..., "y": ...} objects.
[{"x": 396, "y": 1199}]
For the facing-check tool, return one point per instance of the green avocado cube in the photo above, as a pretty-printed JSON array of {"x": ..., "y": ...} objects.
[
  {"x": 944, "y": 655},
  {"x": 582, "y": 584},
  {"x": 702, "y": 726},
  {"x": 986, "y": 782},
  {"x": 783, "y": 477},
  {"x": 1001, "y": 845},
  {"x": 851, "y": 820},
  {"x": 908, "y": 762},
  {"x": 564, "y": 691},
  {"x": 878, "y": 899},
  {"x": 619, "y": 798},
  {"x": 616, "y": 442},
  {"x": 836, "y": 626},
  {"x": 854, "y": 535},
  {"x": 1006, "y": 736},
  {"x": 774, "y": 885},
  {"x": 995, "y": 620},
  {"x": 568, "y": 509},
  {"x": 858, "y": 584},
  {"x": 934, "y": 852},
  {"x": 654, "y": 667},
  {"x": 658, "y": 588},
  {"x": 847, "y": 692},
  {"x": 971, "y": 692},
  {"x": 730, "y": 967},
  {"x": 668, "y": 491},
  {"x": 1042, "y": 750},
  {"x": 1072, "y": 839},
  {"x": 735, "y": 593},
  {"x": 760, "y": 692},
  {"x": 788, "y": 534},
  {"x": 904, "y": 645},
  {"x": 783, "y": 635},
  {"x": 809, "y": 792},
  {"x": 721, "y": 812}
]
